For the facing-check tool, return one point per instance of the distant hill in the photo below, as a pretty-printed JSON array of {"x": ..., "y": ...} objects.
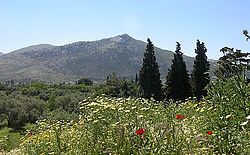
[
  {"x": 121, "y": 54},
  {"x": 1, "y": 53}
]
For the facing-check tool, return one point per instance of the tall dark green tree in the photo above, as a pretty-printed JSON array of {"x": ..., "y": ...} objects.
[
  {"x": 177, "y": 81},
  {"x": 200, "y": 73},
  {"x": 149, "y": 76}
]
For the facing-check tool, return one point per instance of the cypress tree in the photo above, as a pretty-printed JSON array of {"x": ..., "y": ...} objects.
[
  {"x": 177, "y": 80},
  {"x": 149, "y": 76},
  {"x": 200, "y": 73}
]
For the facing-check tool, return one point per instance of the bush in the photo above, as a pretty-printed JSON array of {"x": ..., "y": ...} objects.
[
  {"x": 18, "y": 110},
  {"x": 85, "y": 81}
]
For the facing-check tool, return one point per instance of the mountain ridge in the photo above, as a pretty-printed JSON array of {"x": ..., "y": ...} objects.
[{"x": 121, "y": 54}]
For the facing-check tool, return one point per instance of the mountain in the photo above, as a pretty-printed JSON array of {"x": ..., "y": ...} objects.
[
  {"x": 121, "y": 54},
  {"x": 1, "y": 53}
]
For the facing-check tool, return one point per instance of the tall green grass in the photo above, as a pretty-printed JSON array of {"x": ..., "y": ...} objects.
[
  {"x": 108, "y": 125},
  {"x": 9, "y": 139}
]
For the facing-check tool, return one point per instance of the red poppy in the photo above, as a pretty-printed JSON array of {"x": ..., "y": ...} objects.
[
  {"x": 209, "y": 132},
  {"x": 29, "y": 134},
  {"x": 179, "y": 117},
  {"x": 140, "y": 131}
]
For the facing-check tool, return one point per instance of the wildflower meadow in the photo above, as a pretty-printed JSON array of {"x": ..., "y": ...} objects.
[{"x": 106, "y": 125}]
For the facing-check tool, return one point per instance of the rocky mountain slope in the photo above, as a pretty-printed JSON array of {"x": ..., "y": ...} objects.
[{"x": 121, "y": 54}]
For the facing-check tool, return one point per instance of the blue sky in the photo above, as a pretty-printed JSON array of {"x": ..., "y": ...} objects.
[{"x": 218, "y": 23}]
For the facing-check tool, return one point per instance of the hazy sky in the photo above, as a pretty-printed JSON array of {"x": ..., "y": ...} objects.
[{"x": 218, "y": 23}]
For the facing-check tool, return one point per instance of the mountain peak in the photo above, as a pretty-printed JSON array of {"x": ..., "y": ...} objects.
[
  {"x": 125, "y": 35},
  {"x": 121, "y": 38}
]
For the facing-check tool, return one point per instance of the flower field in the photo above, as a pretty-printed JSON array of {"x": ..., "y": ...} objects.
[{"x": 125, "y": 126}]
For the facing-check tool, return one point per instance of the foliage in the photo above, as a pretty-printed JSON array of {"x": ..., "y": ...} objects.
[
  {"x": 18, "y": 109},
  {"x": 29, "y": 103},
  {"x": 140, "y": 126},
  {"x": 149, "y": 77},
  {"x": 232, "y": 108},
  {"x": 9, "y": 139},
  {"x": 200, "y": 73},
  {"x": 177, "y": 80},
  {"x": 110, "y": 125},
  {"x": 116, "y": 87},
  {"x": 68, "y": 101},
  {"x": 60, "y": 114},
  {"x": 232, "y": 63},
  {"x": 100, "y": 125},
  {"x": 85, "y": 81}
]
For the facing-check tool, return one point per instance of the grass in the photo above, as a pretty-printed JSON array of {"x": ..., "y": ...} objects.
[
  {"x": 138, "y": 126},
  {"x": 9, "y": 139},
  {"x": 109, "y": 125}
]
